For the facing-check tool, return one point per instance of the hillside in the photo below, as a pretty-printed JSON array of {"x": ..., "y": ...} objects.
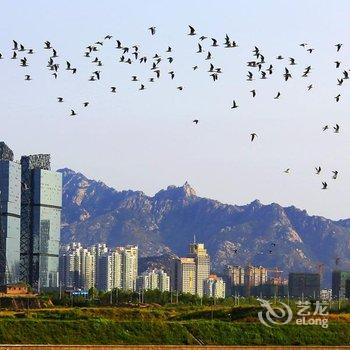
[{"x": 164, "y": 225}]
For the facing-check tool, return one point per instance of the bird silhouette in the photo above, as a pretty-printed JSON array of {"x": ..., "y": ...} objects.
[
  {"x": 234, "y": 105},
  {"x": 253, "y": 136},
  {"x": 152, "y": 30},
  {"x": 338, "y": 46},
  {"x": 192, "y": 31}
]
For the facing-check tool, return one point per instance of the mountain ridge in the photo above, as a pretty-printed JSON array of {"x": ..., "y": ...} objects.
[{"x": 164, "y": 224}]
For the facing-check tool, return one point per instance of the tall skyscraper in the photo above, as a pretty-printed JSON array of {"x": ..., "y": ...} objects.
[
  {"x": 189, "y": 273},
  {"x": 202, "y": 261},
  {"x": 40, "y": 222},
  {"x": 129, "y": 267},
  {"x": 30, "y": 208},
  {"x": 10, "y": 214}
]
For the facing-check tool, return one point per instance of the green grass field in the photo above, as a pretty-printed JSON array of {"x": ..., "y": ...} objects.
[{"x": 221, "y": 325}]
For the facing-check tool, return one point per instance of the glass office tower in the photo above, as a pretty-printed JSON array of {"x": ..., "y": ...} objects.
[
  {"x": 40, "y": 222},
  {"x": 10, "y": 210}
]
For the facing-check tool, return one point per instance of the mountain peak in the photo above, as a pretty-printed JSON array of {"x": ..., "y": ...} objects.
[
  {"x": 174, "y": 192},
  {"x": 188, "y": 190}
]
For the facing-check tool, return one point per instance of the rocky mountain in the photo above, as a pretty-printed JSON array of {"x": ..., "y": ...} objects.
[{"x": 163, "y": 226}]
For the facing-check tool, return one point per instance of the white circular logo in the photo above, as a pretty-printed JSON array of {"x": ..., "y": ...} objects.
[{"x": 279, "y": 315}]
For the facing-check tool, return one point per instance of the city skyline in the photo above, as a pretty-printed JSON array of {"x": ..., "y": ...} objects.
[{"x": 140, "y": 131}]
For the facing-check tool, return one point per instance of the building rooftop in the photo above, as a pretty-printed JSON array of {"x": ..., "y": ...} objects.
[{"x": 5, "y": 152}]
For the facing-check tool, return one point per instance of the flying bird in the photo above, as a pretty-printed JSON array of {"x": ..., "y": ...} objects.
[
  {"x": 338, "y": 46},
  {"x": 153, "y": 30},
  {"x": 277, "y": 96},
  {"x": 253, "y": 136},
  {"x": 192, "y": 31},
  {"x": 215, "y": 42},
  {"x": 324, "y": 185},
  {"x": 234, "y": 104},
  {"x": 335, "y": 174}
]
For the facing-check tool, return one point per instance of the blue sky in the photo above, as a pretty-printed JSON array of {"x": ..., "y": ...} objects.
[{"x": 145, "y": 140}]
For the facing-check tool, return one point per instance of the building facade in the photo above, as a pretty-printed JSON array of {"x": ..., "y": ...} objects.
[
  {"x": 30, "y": 205},
  {"x": 153, "y": 279},
  {"x": 235, "y": 279},
  {"x": 214, "y": 287},
  {"x": 339, "y": 284},
  {"x": 202, "y": 261},
  {"x": 45, "y": 227},
  {"x": 10, "y": 216},
  {"x": 99, "y": 267},
  {"x": 184, "y": 275},
  {"x": 304, "y": 285},
  {"x": 189, "y": 273}
]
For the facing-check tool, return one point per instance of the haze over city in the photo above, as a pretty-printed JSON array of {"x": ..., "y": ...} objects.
[{"x": 145, "y": 140}]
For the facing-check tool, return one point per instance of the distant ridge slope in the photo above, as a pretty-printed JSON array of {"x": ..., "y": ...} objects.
[{"x": 163, "y": 225}]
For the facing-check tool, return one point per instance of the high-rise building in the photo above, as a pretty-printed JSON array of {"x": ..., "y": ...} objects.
[
  {"x": 302, "y": 284},
  {"x": 31, "y": 201},
  {"x": 189, "y": 273},
  {"x": 254, "y": 276},
  {"x": 202, "y": 261},
  {"x": 214, "y": 287},
  {"x": 184, "y": 275},
  {"x": 87, "y": 259},
  {"x": 153, "y": 279},
  {"x": 99, "y": 267},
  {"x": 117, "y": 272},
  {"x": 40, "y": 222},
  {"x": 129, "y": 267},
  {"x": 235, "y": 279},
  {"x": 10, "y": 214},
  {"x": 339, "y": 284},
  {"x": 104, "y": 279}
]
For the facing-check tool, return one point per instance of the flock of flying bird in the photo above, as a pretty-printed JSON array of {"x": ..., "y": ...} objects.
[{"x": 132, "y": 54}]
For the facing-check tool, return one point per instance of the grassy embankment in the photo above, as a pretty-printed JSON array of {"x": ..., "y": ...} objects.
[{"x": 163, "y": 325}]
